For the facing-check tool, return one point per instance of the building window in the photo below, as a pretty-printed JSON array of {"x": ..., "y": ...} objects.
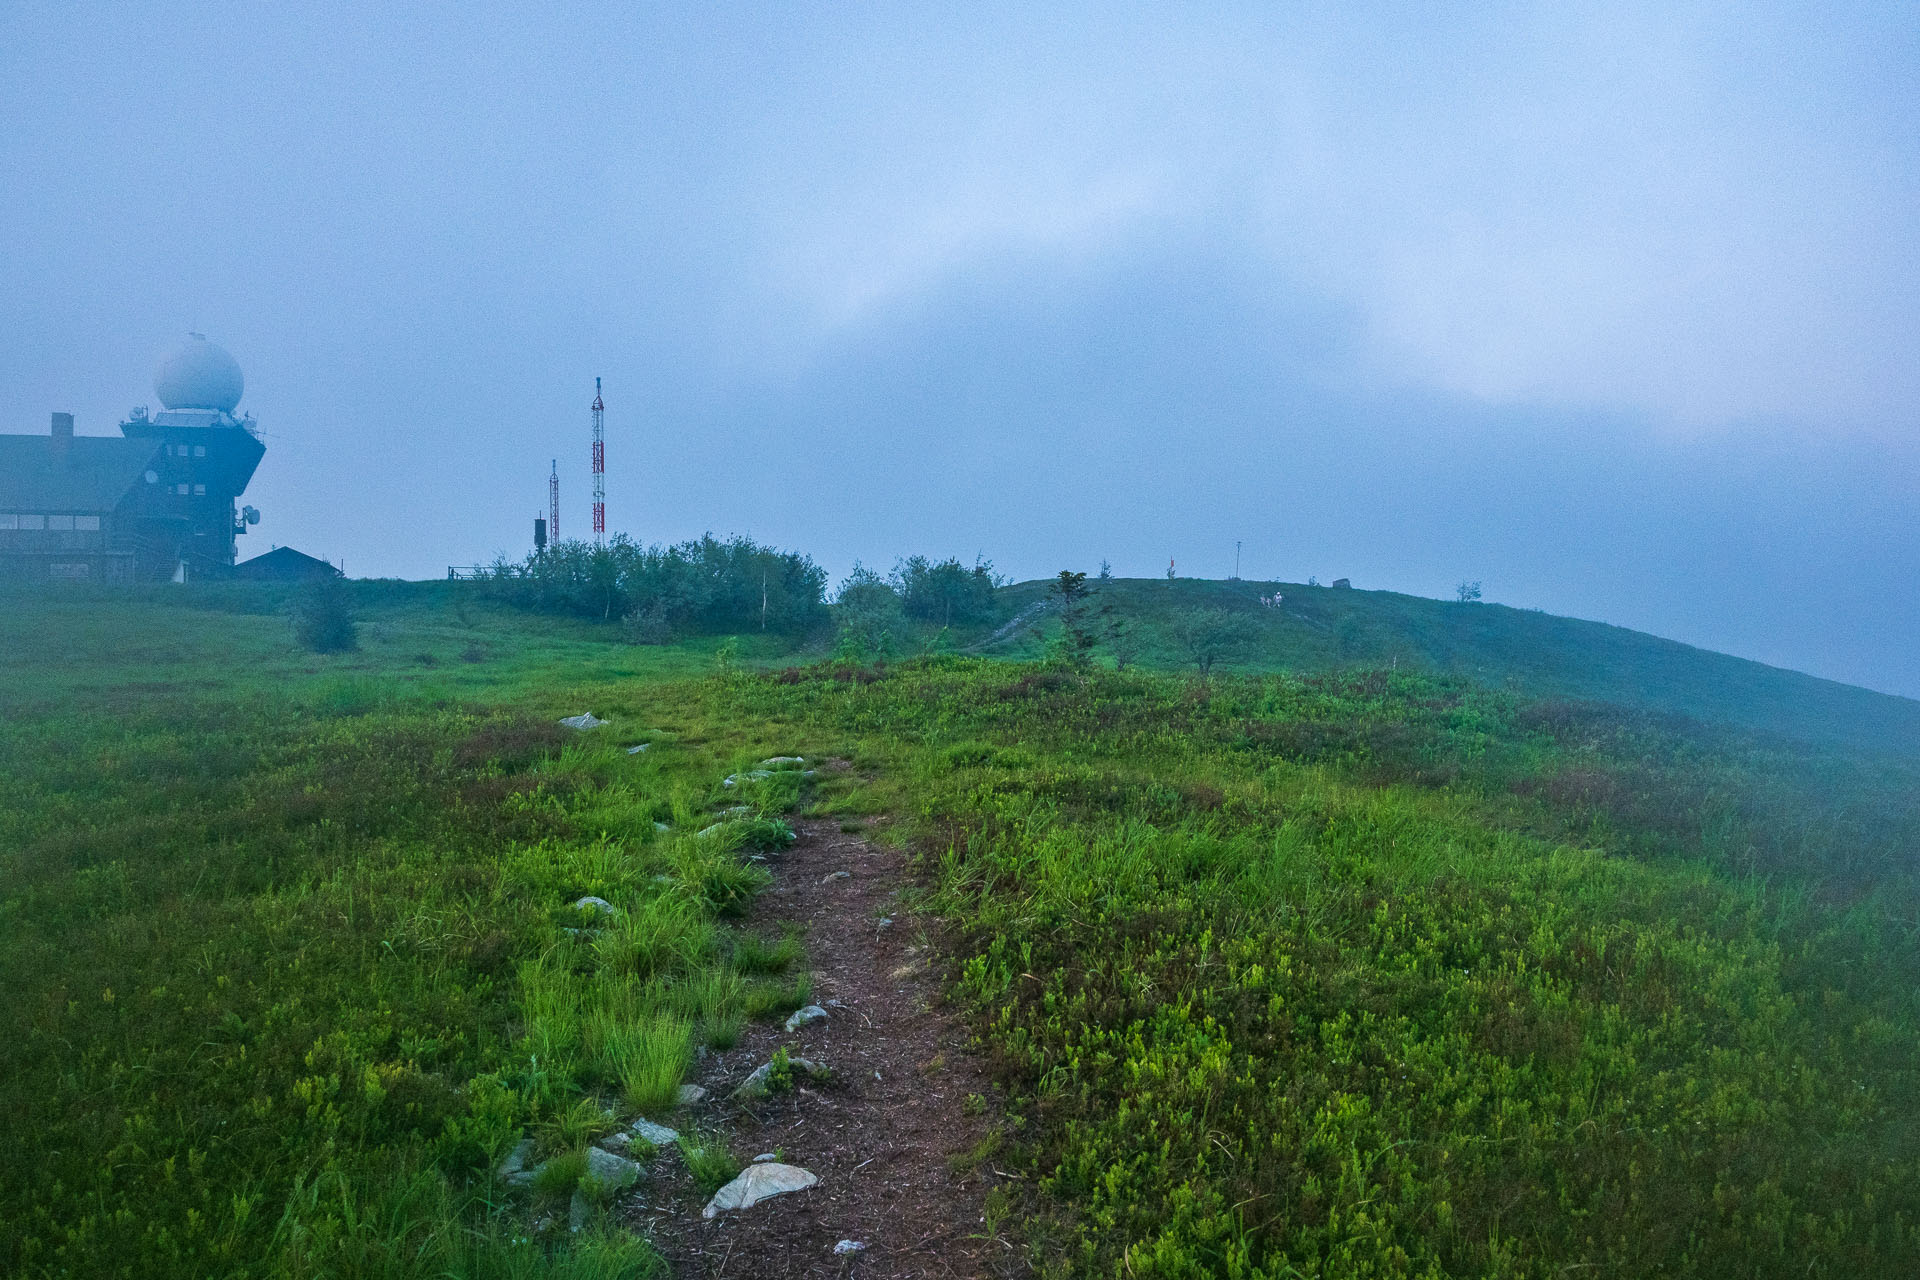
[
  {"x": 69, "y": 572},
  {"x": 33, "y": 522},
  {"x": 87, "y": 524},
  {"x": 8, "y": 520},
  {"x": 182, "y": 489},
  {"x": 199, "y": 491},
  {"x": 62, "y": 523},
  {"x": 199, "y": 451}
]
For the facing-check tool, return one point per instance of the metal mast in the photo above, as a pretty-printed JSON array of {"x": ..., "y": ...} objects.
[
  {"x": 599, "y": 466},
  {"x": 553, "y": 504}
]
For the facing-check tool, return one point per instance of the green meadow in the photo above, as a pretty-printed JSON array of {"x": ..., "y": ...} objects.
[{"x": 1371, "y": 957}]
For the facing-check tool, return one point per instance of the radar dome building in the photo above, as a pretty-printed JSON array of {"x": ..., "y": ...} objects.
[
  {"x": 199, "y": 375},
  {"x": 159, "y": 501}
]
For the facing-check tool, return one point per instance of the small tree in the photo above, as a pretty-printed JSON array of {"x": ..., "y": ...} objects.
[
  {"x": 1467, "y": 592},
  {"x": 867, "y": 615},
  {"x": 1123, "y": 642},
  {"x": 1211, "y": 635},
  {"x": 323, "y": 616},
  {"x": 1077, "y": 614}
]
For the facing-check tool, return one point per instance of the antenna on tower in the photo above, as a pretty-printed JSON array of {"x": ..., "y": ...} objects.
[
  {"x": 599, "y": 466},
  {"x": 553, "y": 503}
]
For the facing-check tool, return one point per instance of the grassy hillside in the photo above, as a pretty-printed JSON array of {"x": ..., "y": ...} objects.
[
  {"x": 1374, "y": 974},
  {"x": 1324, "y": 629}
]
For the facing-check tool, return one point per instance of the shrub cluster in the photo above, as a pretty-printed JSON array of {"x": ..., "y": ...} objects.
[
  {"x": 874, "y": 614},
  {"x": 703, "y": 585}
]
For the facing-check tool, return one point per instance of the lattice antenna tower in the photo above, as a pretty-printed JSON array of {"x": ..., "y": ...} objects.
[
  {"x": 553, "y": 504},
  {"x": 599, "y": 467}
]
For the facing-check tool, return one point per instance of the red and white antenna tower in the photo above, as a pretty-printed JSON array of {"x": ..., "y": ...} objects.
[
  {"x": 553, "y": 504},
  {"x": 599, "y": 466}
]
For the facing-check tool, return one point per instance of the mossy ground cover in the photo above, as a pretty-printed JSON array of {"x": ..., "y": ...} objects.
[
  {"x": 1383, "y": 975},
  {"x": 287, "y": 952},
  {"x": 1362, "y": 975}
]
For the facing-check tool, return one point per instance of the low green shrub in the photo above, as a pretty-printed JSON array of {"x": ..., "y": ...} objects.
[{"x": 712, "y": 1165}]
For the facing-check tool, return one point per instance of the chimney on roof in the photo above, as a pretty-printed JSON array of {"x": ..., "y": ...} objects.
[{"x": 62, "y": 437}]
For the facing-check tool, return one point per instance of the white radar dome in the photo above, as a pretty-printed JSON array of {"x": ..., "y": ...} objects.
[{"x": 199, "y": 375}]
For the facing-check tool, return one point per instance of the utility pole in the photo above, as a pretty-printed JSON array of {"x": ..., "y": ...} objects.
[
  {"x": 553, "y": 504},
  {"x": 599, "y": 467},
  {"x": 1236, "y": 559}
]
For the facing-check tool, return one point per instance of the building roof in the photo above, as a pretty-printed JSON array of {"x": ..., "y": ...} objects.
[
  {"x": 96, "y": 475},
  {"x": 285, "y": 562}
]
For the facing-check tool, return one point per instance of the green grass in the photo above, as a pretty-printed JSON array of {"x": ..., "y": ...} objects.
[
  {"x": 1384, "y": 975},
  {"x": 286, "y": 937},
  {"x": 709, "y": 1160},
  {"x": 1320, "y": 629},
  {"x": 1379, "y": 972}
]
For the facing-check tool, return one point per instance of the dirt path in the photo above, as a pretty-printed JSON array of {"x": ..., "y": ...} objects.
[{"x": 887, "y": 1137}]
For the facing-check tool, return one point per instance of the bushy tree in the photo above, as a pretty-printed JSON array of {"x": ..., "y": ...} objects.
[
  {"x": 1210, "y": 635},
  {"x": 947, "y": 592},
  {"x": 323, "y": 616},
  {"x": 867, "y": 614},
  {"x": 1467, "y": 592}
]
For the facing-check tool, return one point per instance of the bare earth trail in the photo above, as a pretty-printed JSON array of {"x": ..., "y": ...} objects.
[{"x": 883, "y": 1136}]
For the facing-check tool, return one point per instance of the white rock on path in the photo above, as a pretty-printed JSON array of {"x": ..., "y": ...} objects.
[
  {"x": 850, "y": 1246},
  {"x": 691, "y": 1095},
  {"x": 585, "y": 720},
  {"x": 801, "y": 1017},
  {"x": 599, "y": 906},
  {"x": 756, "y": 1183}
]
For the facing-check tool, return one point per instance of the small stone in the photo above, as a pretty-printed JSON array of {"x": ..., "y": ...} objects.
[
  {"x": 757, "y": 1182},
  {"x": 850, "y": 1246},
  {"x": 691, "y": 1095},
  {"x": 836, "y": 875},
  {"x": 707, "y": 831},
  {"x": 617, "y": 1141},
  {"x": 662, "y": 826},
  {"x": 774, "y": 762},
  {"x": 579, "y": 1212},
  {"x": 835, "y": 1004},
  {"x": 766, "y": 1157},
  {"x": 755, "y": 1085},
  {"x": 598, "y": 906},
  {"x": 634, "y": 751},
  {"x": 658, "y": 1134},
  {"x": 583, "y": 721},
  {"x": 801, "y": 1017},
  {"x": 513, "y": 1169},
  {"x": 885, "y": 922},
  {"x": 615, "y": 1171}
]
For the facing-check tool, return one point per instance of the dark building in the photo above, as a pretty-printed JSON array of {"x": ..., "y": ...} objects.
[
  {"x": 284, "y": 564},
  {"x": 157, "y": 502}
]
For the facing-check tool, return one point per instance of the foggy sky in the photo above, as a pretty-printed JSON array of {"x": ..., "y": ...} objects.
[{"x": 1611, "y": 307}]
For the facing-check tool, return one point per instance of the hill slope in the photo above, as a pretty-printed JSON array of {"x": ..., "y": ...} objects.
[{"x": 1322, "y": 628}]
